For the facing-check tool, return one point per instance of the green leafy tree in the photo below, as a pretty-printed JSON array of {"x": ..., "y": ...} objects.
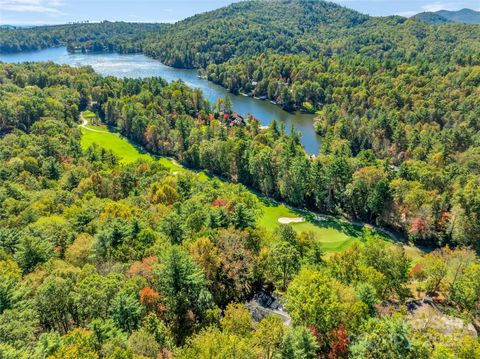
[
  {"x": 313, "y": 298},
  {"x": 184, "y": 290},
  {"x": 298, "y": 343},
  {"x": 48, "y": 343},
  {"x": 10, "y": 276},
  {"x": 283, "y": 262},
  {"x": 466, "y": 290},
  {"x": 237, "y": 320},
  {"x": 55, "y": 303},
  {"x": 144, "y": 344},
  {"x": 387, "y": 338},
  {"x": 126, "y": 311},
  {"x": 33, "y": 251},
  {"x": 269, "y": 335},
  {"x": 211, "y": 343}
]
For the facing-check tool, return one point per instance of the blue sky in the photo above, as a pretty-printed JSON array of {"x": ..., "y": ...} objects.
[{"x": 36, "y": 12}]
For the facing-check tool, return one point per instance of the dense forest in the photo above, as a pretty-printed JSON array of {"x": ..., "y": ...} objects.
[
  {"x": 397, "y": 103},
  {"x": 465, "y": 16},
  {"x": 104, "y": 259},
  {"x": 399, "y": 90},
  {"x": 314, "y": 29},
  {"x": 431, "y": 18},
  {"x": 426, "y": 184},
  {"x": 120, "y": 37}
]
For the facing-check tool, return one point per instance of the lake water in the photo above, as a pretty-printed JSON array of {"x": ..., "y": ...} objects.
[{"x": 139, "y": 65}]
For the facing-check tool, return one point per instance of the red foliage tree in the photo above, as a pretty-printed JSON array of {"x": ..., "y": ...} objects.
[
  {"x": 150, "y": 298},
  {"x": 338, "y": 343},
  {"x": 316, "y": 333},
  {"x": 416, "y": 271},
  {"x": 143, "y": 268},
  {"x": 219, "y": 203},
  {"x": 419, "y": 228}
]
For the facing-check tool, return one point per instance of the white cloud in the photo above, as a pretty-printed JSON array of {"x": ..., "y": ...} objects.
[
  {"x": 439, "y": 6},
  {"x": 407, "y": 13},
  {"x": 35, "y": 6}
]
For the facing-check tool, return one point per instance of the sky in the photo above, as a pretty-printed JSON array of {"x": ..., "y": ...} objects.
[{"x": 38, "y": 12}]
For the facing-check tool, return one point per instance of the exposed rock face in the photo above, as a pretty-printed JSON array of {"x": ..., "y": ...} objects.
[{"x": 423, "y": 315}]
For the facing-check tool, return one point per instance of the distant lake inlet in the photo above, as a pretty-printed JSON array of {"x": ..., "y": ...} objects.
[{"x": 140, "y": 66}]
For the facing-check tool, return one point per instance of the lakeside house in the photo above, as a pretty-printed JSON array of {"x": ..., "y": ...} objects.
[{"x": 234, "y": 119}]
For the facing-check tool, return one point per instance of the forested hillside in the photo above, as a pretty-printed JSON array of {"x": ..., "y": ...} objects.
[
  {"x": 106, "y": 258},
  {"x": 464, "y": 16},
  {"x": 157, "y": 254},
  {"x": 431, "y": 18},
  {"x": 121, "y": 37},
  {"x": 313, "y": 28},
  {"x": 249, "y": 28},
  {"x": 403, "y": 91},
  {"x": 397, "y": 103}
]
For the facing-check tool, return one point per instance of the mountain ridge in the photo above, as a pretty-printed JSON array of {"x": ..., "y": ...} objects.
[
  {"x": 462, "y": 16},
  {"x": 313, "y": 28}
]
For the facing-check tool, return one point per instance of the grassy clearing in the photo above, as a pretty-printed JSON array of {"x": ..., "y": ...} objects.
[
  {"x": 123, "y": 149},
  {"x": 334, "y": 235},
  {"x": 127, "y": 152},
  {"x": 89, "y": 115}
]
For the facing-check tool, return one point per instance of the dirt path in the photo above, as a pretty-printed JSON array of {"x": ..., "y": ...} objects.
[
  {"x": 85, "y": 124},
  {"x": 284, "y": 220},
  {"x": 393, "y": 236}
]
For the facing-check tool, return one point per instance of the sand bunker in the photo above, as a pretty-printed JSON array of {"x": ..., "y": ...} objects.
[{"x": 291, "y": 220}]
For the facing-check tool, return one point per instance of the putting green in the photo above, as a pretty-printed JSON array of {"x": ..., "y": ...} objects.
[{"x": 333, "y": 234}]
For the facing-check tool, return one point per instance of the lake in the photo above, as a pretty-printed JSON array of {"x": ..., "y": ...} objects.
[{"x": 139, "y": 65}]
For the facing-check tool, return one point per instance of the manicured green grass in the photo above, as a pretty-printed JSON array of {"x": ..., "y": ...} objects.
[
  {"x": 123, "y": 149},
  {"x": 334, "y": 235},
  {"x": 89, "y": 114},
  {"x": 127, "y": 152},
  {"x": 170, "y": 165}
]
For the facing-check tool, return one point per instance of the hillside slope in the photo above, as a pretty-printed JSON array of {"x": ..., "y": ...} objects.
[
  {"x": 464, "y": 16},
  {"x": 121, "y": 37},
  {"x": 467, "y": 16},
  {"x": 314, "y": 28},
  {"x": 431, "y": 18},
  {"x": 250, "y": 27}
]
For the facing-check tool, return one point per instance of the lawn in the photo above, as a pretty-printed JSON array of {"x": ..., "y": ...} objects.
[
  {"x": 333, "y": 234},
  {"x": 123, "y": 149},
  {"x": 127, "y": 152}
]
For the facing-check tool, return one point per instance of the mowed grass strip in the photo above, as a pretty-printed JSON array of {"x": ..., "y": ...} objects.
[
  {"x": 334, "y": 235},
  {"x": 110, "y": 141}
]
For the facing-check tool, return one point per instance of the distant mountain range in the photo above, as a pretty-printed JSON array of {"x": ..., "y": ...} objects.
[{"x": 465, "y": 16}]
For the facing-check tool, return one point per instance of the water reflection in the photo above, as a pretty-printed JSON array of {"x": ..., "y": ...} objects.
[{"x": 139, "y": 65}]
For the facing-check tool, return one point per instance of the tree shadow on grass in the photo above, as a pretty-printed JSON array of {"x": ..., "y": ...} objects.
[
  {"x": 320, "y": 220},
  {"x": 330, "y": 222},
  {"x": 350, "y": 229}
]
